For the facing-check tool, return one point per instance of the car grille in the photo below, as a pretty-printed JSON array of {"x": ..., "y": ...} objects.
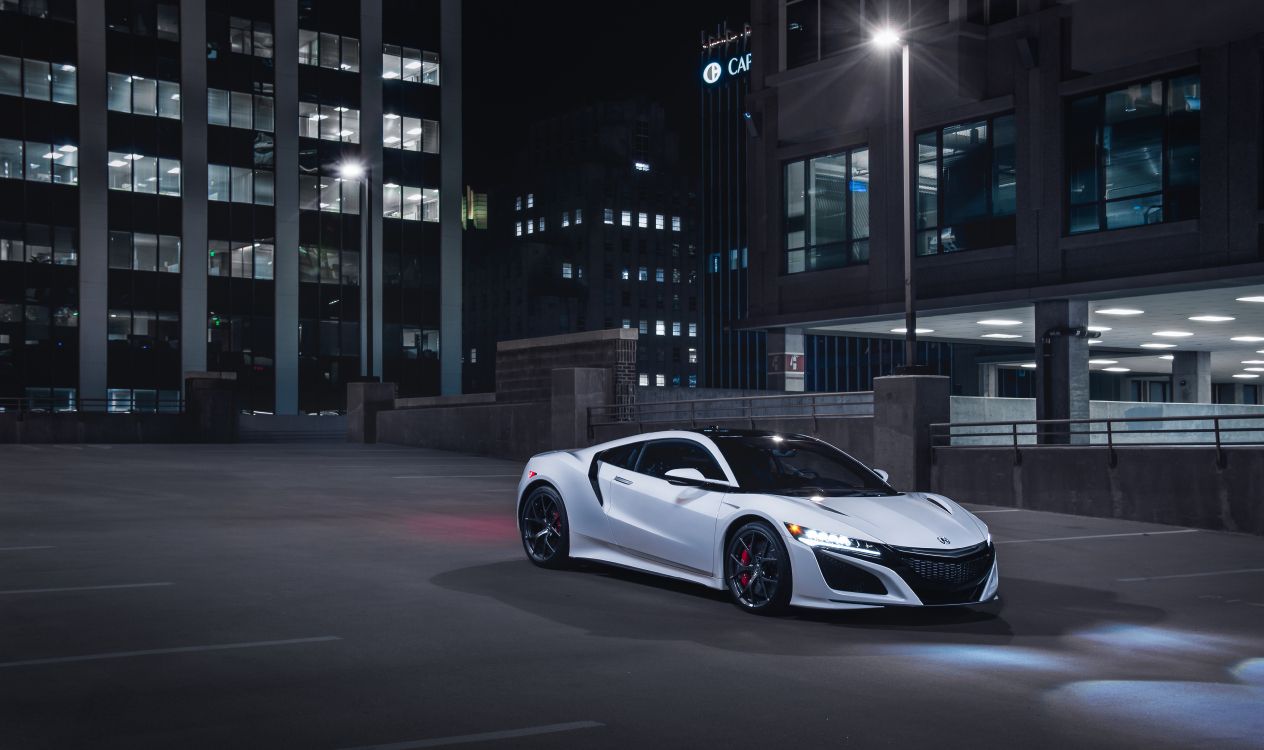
[
  {"x": 951, "y": 572},
  {"x": 945, "y": 576}
]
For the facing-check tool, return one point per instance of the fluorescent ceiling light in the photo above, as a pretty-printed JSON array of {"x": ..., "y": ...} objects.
[
  {"x": 391, "y": 139},
  {"x": 1000, "y": 322},
  {"x": 1254, "y": 369},
  {"x": 1001, "y": 336},
  {"x": 54, "y": 155},
  {"x": 413, "y": 65},
  {"x": 1099, "y": 329},
  {"x": 68, "y": 148},
  {"x": 1213, "y": 318},
  {"x": 1028, "y": 365},
  {"x": 1118, "y": 311},
  {"x": 1091, "y": 342},
  {"x": 1102, "y": 362},
  {"x": 391, "y": 116},
  {"x": 1173, "y": 334},
  {"x": 1167, "y": 356},
  {"x": 1248, "y": 339},
  {"x": 390, "y": 74},
  {"x": 927, "y": 330},
  {"x": 1253, "y": 361},
  {"x": 1153, "y": 345},
  {"x": 1245, "y": 375},
  {"x": 173, "y": 170},
  {"x": 413, "y": 131},
  {"x": 1116, "y": 369},
  {"x": 340, "y": 109},
  {"x": 1256, "y": 298},
  {"x": 68, "y": 68},
  {"x": 117, "y": 163}
]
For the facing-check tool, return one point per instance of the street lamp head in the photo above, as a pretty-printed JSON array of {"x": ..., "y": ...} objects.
[
  {"x": 351, "y": 170},
  {"x": 886, "y": 38}
]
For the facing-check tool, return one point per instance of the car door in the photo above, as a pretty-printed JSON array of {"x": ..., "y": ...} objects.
[{"x": 670, "y": 522}]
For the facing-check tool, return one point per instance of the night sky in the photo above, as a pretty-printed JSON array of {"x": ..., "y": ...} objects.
[{"x": 526, "y": 61}]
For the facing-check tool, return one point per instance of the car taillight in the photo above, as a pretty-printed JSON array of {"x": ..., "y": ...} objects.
[{"x": 530, "y": 474}]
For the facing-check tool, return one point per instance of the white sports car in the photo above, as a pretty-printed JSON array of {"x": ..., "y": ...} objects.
[{"x": 777, "y": 520}]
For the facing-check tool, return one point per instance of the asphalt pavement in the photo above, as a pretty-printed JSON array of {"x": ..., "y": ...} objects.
[{"x": 330, "y": 596}]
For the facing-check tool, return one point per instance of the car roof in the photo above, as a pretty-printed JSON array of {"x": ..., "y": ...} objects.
[{"x": 717, "y": 431}]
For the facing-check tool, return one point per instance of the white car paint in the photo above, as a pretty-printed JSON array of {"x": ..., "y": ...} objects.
[{"x": 650, "y": 524}]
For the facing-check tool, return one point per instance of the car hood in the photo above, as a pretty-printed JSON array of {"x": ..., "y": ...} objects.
[{"x": 912, "y": 519}]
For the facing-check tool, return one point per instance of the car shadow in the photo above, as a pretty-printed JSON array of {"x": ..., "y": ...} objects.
[{"x": 610, "y": 601}]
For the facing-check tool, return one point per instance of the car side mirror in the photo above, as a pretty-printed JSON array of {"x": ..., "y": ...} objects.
[
  {"x": 685, "y": 476},
  {"x": 882, "y": 475}
]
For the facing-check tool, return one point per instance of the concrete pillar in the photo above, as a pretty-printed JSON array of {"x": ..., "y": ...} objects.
[
  {"x": 285, "y": 263},
  {"x": 988, "y": 380},
  {"x": 371, "y": 153},
  {"x": 574, "y": 390},
  {"x": 364, "y": 401},
  {"x": 1191, "y": 377},
  {"x": 785, "y": 359},
  {"x": 1061, "y": 366},
  {"x": 93, "y": 201},
  {"x": 193, "y": 188},
  {"x": 904, "y": 407},
  {"x": 450, "y": 190},
  {"x": 211, "y": 406}
]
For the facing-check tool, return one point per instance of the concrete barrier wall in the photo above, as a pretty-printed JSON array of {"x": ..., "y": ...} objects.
[
  {"x": 515, "y": 430},
  {"x": 94, "y": 428},
  {"x": 1174, "y": 485}
]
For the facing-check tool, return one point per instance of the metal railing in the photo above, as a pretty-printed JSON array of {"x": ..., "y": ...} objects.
[
  {"x": 1211, "y": 430},
  {"x": 42, "y": 405},
  {"x": 707, "y": 411}
]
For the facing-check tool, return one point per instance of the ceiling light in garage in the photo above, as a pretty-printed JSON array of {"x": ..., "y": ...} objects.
[
  {"x": 930, "y": 330},
  {"x": 1153, "y": 345},
  {"x": 1167, "y": 356},
  {"x": 1099, "y": 329},
  {"x": 1001, "y": 336},
  {"x": 1173, "y": 334},
  {"x": 1000, "y": 322},
  {"x": 1103, "y": 362},
  {"x": 1028, "y": 365},
  {"x": 1254, "y": 369},
  {"x": 1117, "y": 369},
  {"x": 1248, "y": 339},
  {"x": 1213, "y": 318},
  {"x": 1253, "y": 361},
  {"x": 1095, "y": 341},
  {"x": 1245, "y": 375},
  {"x": 1118, "y": 311},
  {"x": 1257, "y": 298}
]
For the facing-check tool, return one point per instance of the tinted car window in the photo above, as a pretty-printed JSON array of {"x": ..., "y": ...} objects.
[
  {"x": 797, "y": 466},
  {"x": 661, "y": 456},
  {"x": 623, "y": 456}
]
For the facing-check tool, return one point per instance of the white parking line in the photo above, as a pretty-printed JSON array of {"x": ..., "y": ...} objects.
[
  {"x": 18, "y": 549},
  {"x": 456, "y": 476},
  {"x": 1097, "y": 536},
  {"x": 158, "y": 651},
  {"x": 87, "y": 588},
  {"x": 464, "y": 739},
  {"x": 1193, "y": 575}
]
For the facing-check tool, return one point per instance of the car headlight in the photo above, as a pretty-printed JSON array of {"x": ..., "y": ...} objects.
[{"x": 831, "y": 541}]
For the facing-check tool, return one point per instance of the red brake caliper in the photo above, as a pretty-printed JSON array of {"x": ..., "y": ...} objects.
[{"x": 744, "y": 578}]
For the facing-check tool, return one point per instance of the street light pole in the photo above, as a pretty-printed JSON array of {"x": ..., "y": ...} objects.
[{"x": 364, "y": 175}]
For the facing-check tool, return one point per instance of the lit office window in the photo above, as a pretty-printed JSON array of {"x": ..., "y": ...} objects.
[
  {"x": 643, "y": 221},
  {"x": 143, "y": 252},
  {"x": 163, "y": 23},
  {"x": 607, "y": 215},
  {"x": 142, "y": 96},
  {"x": 143, "y": 174},
  {"x": 660, "y": 328},
  {"x": 659, "y": 221},
  {"x": 659, "y": 275},
  {"x": 643, "y": 274},
  {"x": 566, "y": 270},
  {"x": 416, "y": 204},
  {"x": 530, "y": 200},
  {"x": 473, "y": 356},
  {"x": 530, "y": 227},
  {"x": 410, "y": 65},
  {"x": 693, "y": 329},
  {"x": 579, "y": 216},
  {"x": 627, "y": 322},
  {"x": 240, "y": 260},
  {"x": 328, "y": 122},
  {"x": 36, "y": 79},
  {"x": 566, "y": 219},
  {"x": 660, "y": 380},
  {"x": 625, "y": 218},
  {"x": 675, "y": 223},
  {"x": 1132, "y": 155},
  {"x": 693, "y": 356},
  {"x": 43, "y": 162},
  {"x": 241, "y": 185},
  {"x": 675, "y": 328},
  {"x": 540, "y": 223},
  {"x": 250, "y": 37},
  {"x": 517, "y": 228},
  {"x": 643, "y": 327},
  {"x": 328, "y": 51},
  {"x": 965, "y": 186},
  {"x": 239, "y": 110},
  {"x": 625, "y": 274},
  {"x": 643, "y": 379},
  {"x": 430, "y": 204},
  {"x": 518, "y": 203},
  {"x": 675, "y": 275},
  {"x": 826, "y": 211}
]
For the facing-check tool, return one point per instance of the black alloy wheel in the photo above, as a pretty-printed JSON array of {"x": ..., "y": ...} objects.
[
  {"x": 757, "y": 569},
  {"x": 545, "y": 531}
]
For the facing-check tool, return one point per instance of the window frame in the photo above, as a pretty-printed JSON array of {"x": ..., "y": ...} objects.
[
  {"x": 850, "y": 242},
  {"x": 998, "y": 224}
]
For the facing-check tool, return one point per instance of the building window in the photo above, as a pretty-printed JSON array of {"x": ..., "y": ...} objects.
[
  {"x": 243, "y": 185},
  {"x": 566, "y": 270},
  {"x": 518, "y": 203},
  {"x": 408, "y": 203},
  {"x": 579, "y": 216},
  {"x": 244, "y": 260},
  {"x": 143, "y": 174},
  {"x": 142, "y": 96},
  {"x": 540, "y": 224},
  {"x": 660, "y": 328},
  {"x": 643, "y": 379},
  {"x": 643, "y": 274},
  {"x": 144, "y": 252},
  {"x": 239, "y": 110},
  {"x": 659, "y": 221},
  {"x": 658, "y": 275},
  {"x": 642, "y": 221},
  {"x": 133, "y": 18},
  {"x": 675, "y": 223},
  {"x": 966, "y": 186},
  {"x": 517, "y": 228},
  {"x": 675, "y": 328},
  {"x": 1133, "y": 155},
  {"x": 826, "y": 211},
  {"x": 643, "y": 327},
  {"x": 328, "y": 122},
  {"x": 413, "y": 134},
  {"x": 410, "y": 65},
  {"x": 607, "y": 215},
  {"x": 625, "y": 218},
  {"x": 660, "y": 380},
  {"x": 625, "y": 274},
  {"x": 329, "y": 51},
  {"x": 566, "y": 219},
  {"x": 43, "y": 162},
  {"x": 530, "y": 200},
  {"x": 627, "y": 323},
  {"x": 693, "y": 330},
  {"x": 36, "y": 79},
  {"x": 693, "y": 356},
  {"x": 249, "y": 37}
]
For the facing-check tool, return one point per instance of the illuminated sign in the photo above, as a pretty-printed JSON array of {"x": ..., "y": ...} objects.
[{"x": 736, "y": 66}]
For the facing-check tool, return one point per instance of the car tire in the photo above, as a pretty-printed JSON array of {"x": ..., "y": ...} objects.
[
  {"x": 545, "y": 529},
  {"x": 747, "y": 553}
]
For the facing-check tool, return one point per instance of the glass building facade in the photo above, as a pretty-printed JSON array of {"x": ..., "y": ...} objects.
[{"x": 204, "y": 221}]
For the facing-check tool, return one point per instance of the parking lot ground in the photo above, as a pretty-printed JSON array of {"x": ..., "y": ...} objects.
[{"x": 331, "y": 596}]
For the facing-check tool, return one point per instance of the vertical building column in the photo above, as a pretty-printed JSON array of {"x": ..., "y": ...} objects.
[
  {"x": 1191, "y": 377},
  {"x": 93, "y": 201},
  {"x": 285, "y": 264},
  {"x": 785, "y": 359},
  {"x": 450, "y": 177},
  {"x": 193, "y": 186},
  {"x": 371, "y": 152},
  {"x": 1061, "y": 366}
]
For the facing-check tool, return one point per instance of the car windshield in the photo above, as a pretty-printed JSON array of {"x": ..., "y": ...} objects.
[{"x": 798, "y": 466}]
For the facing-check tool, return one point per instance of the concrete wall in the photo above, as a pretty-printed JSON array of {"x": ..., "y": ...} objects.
[
  {"x": 1179, "y": 485},
  {"x": 514, "y": 430},
  {"x": 524, "y": 367},
  {"x": 979, "y": 409},
  {"x": 94, "y": 427}
]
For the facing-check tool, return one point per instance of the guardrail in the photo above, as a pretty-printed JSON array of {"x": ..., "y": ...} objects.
[
  {"x": 707, "y": 411},
  {"x": 1218, "y": 431},
  {"x": 25, "y": 406}
]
